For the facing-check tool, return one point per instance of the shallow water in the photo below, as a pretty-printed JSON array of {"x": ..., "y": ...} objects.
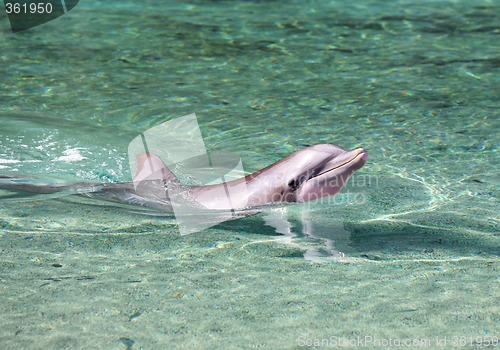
[{"x": 416, "y": 84}]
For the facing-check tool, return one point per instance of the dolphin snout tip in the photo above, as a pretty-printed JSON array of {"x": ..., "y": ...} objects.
[{"x": 363, "y": 154}]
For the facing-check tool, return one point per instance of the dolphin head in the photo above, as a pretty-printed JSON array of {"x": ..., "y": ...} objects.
[{"x": 320, "y": 170}]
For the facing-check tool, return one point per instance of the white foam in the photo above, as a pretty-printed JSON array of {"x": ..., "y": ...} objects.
[
  {"x": 9, "y": 161},
  {"x": 70, "y": 155}
]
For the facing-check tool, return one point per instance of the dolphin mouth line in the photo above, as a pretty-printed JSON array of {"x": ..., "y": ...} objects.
[{"x": 356, "y": 158}]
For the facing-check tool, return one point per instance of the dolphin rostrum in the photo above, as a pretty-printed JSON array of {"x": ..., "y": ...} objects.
[{"x": 309, "y": 174}]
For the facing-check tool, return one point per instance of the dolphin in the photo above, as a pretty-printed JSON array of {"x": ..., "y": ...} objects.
[{"x": 306, "y": 175}]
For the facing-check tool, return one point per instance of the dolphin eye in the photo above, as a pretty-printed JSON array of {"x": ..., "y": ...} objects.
[{"x": 293, "y": 185}]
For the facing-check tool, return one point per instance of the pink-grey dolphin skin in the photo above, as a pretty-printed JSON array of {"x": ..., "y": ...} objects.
[{"x": 303, "y": 176}]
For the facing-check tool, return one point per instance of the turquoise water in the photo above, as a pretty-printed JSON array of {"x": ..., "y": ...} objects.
[{"x": 415, "y": 83}]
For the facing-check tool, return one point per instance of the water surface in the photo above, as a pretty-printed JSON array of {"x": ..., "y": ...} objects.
[{"x": 413, "y": 83}]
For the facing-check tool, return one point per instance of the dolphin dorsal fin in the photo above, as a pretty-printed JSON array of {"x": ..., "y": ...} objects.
[{"x": 151, "y": 167}]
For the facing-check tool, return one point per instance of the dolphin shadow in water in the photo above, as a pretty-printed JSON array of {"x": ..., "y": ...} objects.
[{"x": 333, "y": 245}]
